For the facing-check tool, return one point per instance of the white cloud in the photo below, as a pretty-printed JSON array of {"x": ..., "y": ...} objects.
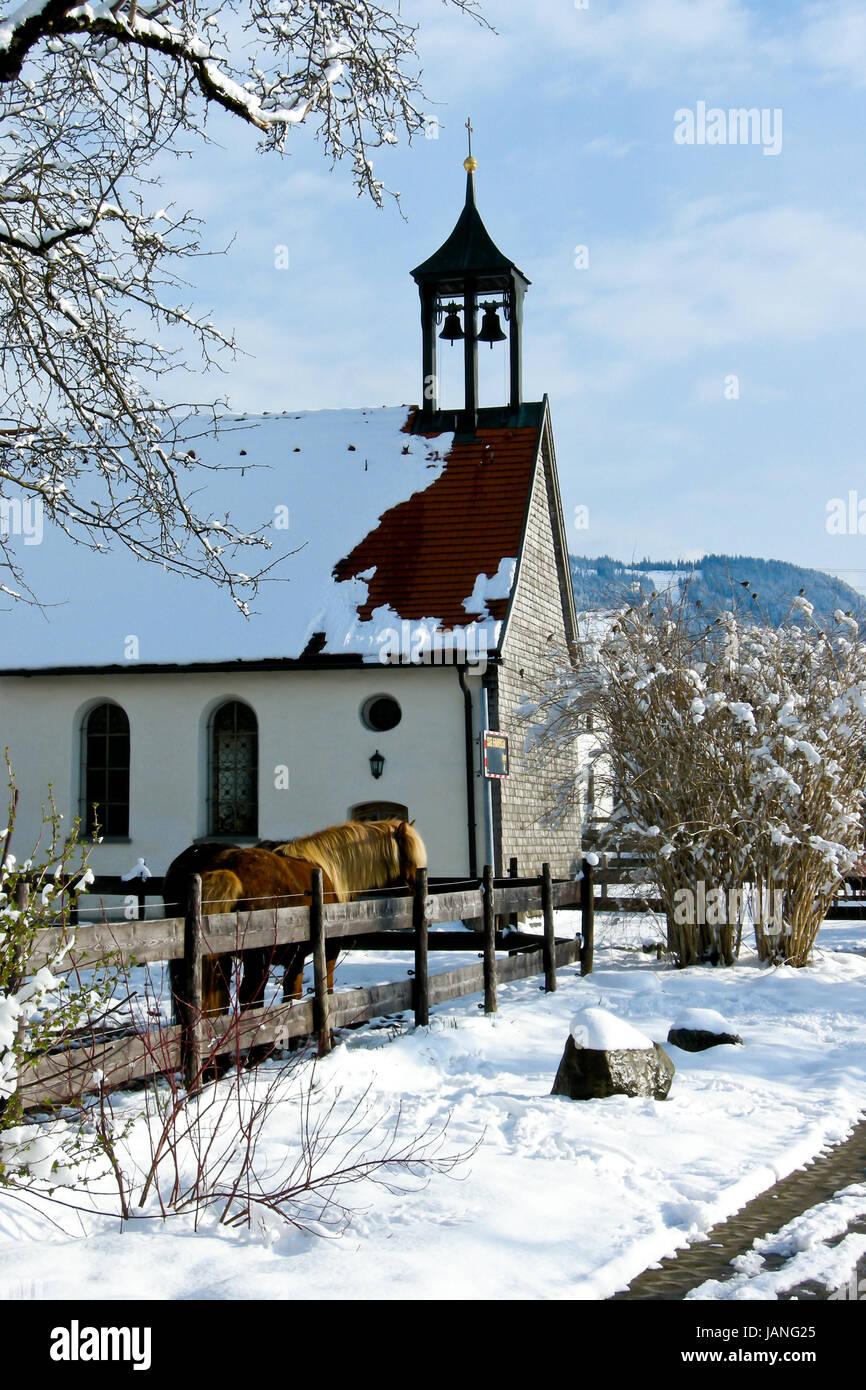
[
  {"x": 650, "y": 43},
  {"x": 783, "y": 275},
  {"x": 646, "y": 42},
  {"x": 609, "y": 146},
  {"x": 833, "y": 40}
]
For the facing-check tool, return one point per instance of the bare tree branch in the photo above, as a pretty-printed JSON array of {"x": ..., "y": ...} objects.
[{"x": 91, "y": 275}]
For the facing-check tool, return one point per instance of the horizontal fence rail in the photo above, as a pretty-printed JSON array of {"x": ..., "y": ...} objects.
[{"x": 144, "y": 941}]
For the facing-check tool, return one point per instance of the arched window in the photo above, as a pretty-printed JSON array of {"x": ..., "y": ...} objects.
[
  {"x": 234, "y": 770},
  {"x": 105, "y": 771},
  {"x": 379, "y": 810}
]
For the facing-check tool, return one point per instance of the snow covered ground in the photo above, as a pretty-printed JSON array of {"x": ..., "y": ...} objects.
[{"x": 560, "y": 1199}]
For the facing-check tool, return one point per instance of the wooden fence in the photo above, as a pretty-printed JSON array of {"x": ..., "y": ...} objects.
[{"x": 399, "y": 921}]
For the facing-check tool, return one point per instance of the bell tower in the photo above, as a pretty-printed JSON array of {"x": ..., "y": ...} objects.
[{"x": 466, "y": 274}]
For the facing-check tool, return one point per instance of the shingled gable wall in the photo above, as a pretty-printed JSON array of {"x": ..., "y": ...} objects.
[{"x": 541, "y": 605}]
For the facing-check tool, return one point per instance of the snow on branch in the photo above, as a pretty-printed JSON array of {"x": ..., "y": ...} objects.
[{"x": 93, "y": 307}]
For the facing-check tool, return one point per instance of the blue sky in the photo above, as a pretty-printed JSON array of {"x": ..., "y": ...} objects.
[{"x": 705, "y": 262}]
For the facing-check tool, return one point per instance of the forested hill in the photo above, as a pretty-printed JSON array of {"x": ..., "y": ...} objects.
[{"x": 716, "y": 580}]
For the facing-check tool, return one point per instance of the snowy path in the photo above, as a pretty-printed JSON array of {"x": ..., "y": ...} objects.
[{"x": 822, "y": 1251}]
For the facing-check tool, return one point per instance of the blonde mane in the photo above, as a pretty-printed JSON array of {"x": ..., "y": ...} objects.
[{"x": 359, "y": 854}]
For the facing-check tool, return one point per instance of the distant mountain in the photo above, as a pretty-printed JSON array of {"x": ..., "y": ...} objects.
[{"x": 715, "y": 580}]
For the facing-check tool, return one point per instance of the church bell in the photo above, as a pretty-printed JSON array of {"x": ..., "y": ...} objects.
[
  {"x": 451, "y": 329},
  {"x": 491, "y": 329}
]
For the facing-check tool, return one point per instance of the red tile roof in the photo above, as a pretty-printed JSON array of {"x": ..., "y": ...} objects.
[{"x": 429, "y": 550}]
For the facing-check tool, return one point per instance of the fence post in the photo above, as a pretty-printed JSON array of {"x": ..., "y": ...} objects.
[
  {"x": 419, "y": 927},
  {"x": 191, "y": 1004},
  {"x": 490, "y": 1001},
  {"x": 549, "y": 954},
  {"x": 320, "y": 963},
  {"x": 512, "y": 873},
  {"x": 587, "y": 918}
]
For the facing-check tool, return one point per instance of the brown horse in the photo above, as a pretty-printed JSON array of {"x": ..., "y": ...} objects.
[
  {"x": 360, "y": 855},
  {"x": 235, "y": 879},
  {"x": 354, "y": 857}
]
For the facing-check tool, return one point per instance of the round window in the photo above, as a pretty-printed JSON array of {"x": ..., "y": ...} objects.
[{"x": 381, "y": 712}]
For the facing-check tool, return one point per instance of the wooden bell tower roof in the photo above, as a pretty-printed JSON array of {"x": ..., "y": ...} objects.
[{"x": 468, "y": 251}]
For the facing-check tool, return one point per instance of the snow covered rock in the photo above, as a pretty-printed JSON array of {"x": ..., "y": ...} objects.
[
  {"x": 605, "y": 1056},
  {"x": 698, "y": 1029}
]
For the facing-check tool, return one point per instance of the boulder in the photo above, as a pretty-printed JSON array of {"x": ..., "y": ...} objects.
[
  {"x": 698, "y": 1029},
  {"x": 606, "y": 1057},
  {"x": 698, "y": 1039}
]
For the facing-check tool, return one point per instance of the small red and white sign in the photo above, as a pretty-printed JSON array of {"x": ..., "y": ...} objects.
[{"x": 495, "y": 754}]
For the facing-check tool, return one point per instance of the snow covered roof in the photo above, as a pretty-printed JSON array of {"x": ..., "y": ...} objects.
[{"x": 384, "y": 526}]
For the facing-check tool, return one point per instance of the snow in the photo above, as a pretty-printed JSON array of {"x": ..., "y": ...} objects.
[
  {"x": 332, "y": 473},
  {"x": 140, "y": 871},
  {"x": 487, "y": 587},
  {"x": 704, "y": 1021},
  {"x": 601, "y": 1031},
  {"x": 667, "y": 581},
  {"x": 581, "y": 1195},
  {"x": 18, "y": 17}
]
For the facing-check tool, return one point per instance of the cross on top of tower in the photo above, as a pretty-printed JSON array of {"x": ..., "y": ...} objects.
[{"x": 470, "y": 164}]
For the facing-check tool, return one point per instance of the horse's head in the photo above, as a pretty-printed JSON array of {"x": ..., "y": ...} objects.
[{"x": 411, "y": 853}]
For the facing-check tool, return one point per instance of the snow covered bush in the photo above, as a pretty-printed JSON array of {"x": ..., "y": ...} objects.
[{"x": 733, "y": 753}]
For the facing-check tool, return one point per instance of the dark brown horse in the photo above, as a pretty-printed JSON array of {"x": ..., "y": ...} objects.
[{"x": 236, "y": 879}]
